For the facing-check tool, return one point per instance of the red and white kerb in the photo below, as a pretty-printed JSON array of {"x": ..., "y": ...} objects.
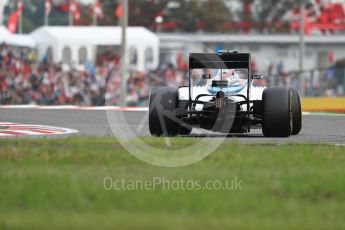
[{"x": 8, "y": 129}]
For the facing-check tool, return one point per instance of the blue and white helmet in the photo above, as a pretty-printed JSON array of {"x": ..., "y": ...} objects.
[{"x": 235, "y": 83}]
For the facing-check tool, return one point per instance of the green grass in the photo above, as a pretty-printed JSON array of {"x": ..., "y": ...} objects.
[{"x": 58, "y": 184}]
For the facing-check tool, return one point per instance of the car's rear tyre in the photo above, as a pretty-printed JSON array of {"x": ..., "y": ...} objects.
[
  {"x": 277, "y": 117},
  {"x": 162, "y": 117},
  {"x": 296, "y": 112}
]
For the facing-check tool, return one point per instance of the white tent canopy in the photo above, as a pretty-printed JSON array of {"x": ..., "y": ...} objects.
[
  {"x": 22, "y": 40},
  {"x": 64, "y": 41},
  {"x": 4, "y": 35},
  {"x": 16, "y": 40}
]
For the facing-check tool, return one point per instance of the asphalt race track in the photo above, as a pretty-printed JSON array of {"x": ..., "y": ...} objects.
[{"x": 316, "y": 128}]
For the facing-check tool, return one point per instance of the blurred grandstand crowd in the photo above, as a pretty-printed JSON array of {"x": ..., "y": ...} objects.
[
  {"x": 24, "y": 80},
  {"x": 323, "y": 82}
]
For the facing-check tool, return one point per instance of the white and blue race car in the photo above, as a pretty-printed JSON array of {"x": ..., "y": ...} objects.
[{"x": 221, "y": 97}]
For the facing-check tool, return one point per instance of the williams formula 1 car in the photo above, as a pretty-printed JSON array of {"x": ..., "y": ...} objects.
[{"x": 222, "y": 97}]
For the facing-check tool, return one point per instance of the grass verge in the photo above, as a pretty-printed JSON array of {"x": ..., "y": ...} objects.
[{"x": 59, "y": 184}]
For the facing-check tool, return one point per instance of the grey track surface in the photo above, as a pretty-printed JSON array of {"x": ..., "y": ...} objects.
[{"x": 320, "y": 129}]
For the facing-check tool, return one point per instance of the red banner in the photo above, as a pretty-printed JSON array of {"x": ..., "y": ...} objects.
[
  {"x": 48, "y": 7},
  {"x": 119, "y": 11},
  {"x": 13, "y": 21}
]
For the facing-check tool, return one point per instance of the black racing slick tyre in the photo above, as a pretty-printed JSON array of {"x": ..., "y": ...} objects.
[
  {"x": 162, "y": 116},
  {"x": 296, "y": 112},
  {"x": 277, "y": 116}
]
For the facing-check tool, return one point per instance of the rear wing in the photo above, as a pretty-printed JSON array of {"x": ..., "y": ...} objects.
[{"x": 222, "y": 61}]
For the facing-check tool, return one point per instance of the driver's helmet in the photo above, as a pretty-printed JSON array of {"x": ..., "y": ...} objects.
[{"x": 234, "y": 83}]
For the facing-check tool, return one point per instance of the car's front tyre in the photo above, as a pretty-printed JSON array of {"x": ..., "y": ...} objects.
[{"x": 296, "y": 112}]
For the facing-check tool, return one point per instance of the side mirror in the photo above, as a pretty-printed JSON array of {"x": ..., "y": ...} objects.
[{"x": 257, "y": 77}]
